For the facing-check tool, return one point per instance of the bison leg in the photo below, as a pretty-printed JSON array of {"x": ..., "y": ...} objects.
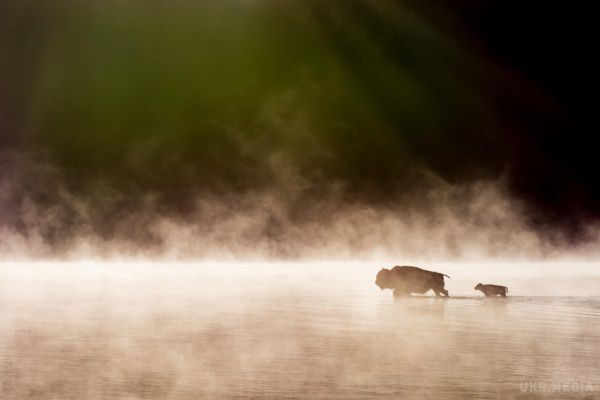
[{"x": 439, "y": 288}]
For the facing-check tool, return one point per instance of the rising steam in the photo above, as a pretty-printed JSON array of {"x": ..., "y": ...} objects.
[{"x": 42, "y": 218}]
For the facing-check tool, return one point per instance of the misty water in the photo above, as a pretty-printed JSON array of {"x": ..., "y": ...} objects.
[{"x": 292, "y": 330}]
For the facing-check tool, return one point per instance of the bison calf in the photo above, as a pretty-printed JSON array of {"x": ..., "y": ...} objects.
[{"x": 492, "y": 290}]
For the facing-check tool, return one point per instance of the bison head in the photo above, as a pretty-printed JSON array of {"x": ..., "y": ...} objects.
[
  {"x": 383, "y": 279},
  {"x": 479, "y": 286}
]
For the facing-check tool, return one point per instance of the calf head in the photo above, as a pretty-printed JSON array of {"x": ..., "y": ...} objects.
[{"x": 383, "y": 279}]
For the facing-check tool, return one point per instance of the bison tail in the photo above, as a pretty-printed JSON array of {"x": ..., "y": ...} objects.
[
  {"x": 505, "y": 290},
  {"x": 446, "y": 276}
]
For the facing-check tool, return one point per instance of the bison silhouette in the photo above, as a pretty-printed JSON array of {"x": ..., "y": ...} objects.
[
  {"x": 405, "y": 280},
  {"x": 492, "y": 290}
]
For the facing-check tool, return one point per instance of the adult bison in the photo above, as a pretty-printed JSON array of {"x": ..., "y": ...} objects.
[{"x": 406, "y": 280}]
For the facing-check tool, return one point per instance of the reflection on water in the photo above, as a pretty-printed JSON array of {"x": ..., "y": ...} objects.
[{"x": 286, "y": 331}]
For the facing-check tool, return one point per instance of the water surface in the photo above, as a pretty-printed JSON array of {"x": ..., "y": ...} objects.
[{"x": 193, "y": 331}]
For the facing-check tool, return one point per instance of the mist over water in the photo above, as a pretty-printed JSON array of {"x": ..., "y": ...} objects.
[
  {"x": 293, "y": 330},
  {"x": 478, "y": 221}
]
